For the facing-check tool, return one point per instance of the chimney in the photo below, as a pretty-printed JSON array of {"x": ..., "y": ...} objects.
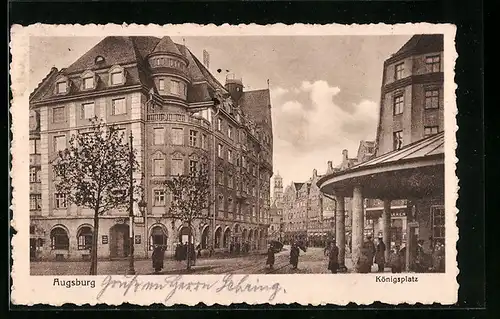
[
  {"x": 330, "y": 167},
  {"x": 345, "y": 155},
  {"x": 206, "y": 59},
  {"x": 315, "y": 173}
]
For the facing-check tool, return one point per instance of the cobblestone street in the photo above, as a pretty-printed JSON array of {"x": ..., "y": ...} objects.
[{"x": 312, "y": 261}]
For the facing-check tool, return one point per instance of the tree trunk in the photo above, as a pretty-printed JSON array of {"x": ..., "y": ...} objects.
[
  {"x": 188, "y": 251},
  {"x": 95, "y": 244}
]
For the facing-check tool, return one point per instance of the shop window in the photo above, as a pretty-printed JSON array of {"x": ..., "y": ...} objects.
[
  {"x": 84, "y": 238},
  {"x": 158, "y": 237},
  {"x": 438, "y": 223},
  {"x": 59, "y": 238}
]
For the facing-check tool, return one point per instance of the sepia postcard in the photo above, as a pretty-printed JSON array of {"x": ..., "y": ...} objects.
[{"x": 258, "y": 164}]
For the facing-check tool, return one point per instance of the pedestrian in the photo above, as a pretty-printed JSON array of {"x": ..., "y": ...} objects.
[
  {"x": 395, "y": 260},
  {"x": 199, "y": 251},
  {"x": 370, "y": 250},
  {"x": 438, "y": 258},
  {"x": 380, "y": 254},
  {"x": 294, "y": 255},
  {"x": 327, "y": 249},
  {"x": 421, "y": 264},
  {"x": 364, "y": 262},
  {"x": 192, "y": 254},
  {"x": 157, "y": 258},
  {"x": 270, "y": 256},
  {"x": 333, "y": 257}
]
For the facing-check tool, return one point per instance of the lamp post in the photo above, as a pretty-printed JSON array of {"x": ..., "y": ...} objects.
[{"x": 131, "y": 270}]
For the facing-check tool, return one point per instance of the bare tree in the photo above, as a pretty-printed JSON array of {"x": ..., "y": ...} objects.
[
  {"x": 190, "y": 201},
  {"x": 94, "y": 172}
]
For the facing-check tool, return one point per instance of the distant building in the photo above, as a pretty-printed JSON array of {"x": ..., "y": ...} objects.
[{"x": 181, "y": 118}]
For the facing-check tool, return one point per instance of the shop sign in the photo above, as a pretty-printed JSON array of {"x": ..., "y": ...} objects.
[
  {"x": 137, "y": 239},
  {"x": 104, "y": 239}
]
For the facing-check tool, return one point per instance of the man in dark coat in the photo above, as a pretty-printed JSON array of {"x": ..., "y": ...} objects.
[
  {"x": 294, "y": 255},
  {"x": 333, "y": 257},
  {"x": 270, "y": 256},
  {"x": 380, "y": 254},
  {"x": 395, "y": 260},
  {"x": 370, "y": 247},
  {"x": 157, "y": 258}
]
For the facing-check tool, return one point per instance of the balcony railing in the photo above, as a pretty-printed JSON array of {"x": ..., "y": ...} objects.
[{"x": 179, "y": 118}]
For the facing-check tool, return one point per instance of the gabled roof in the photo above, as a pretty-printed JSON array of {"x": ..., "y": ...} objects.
[
  {"x": 115, "y": 50},
  {"x": 298, "y": 186},
  {"x": 423, "y": 43}
]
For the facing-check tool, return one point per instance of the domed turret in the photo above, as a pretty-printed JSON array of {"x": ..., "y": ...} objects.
[
  {"x": 235, "y": 87},
  {"x": 169, "y": 69}
]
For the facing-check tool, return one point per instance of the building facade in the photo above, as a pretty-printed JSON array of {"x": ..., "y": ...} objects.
[
  {"x": 181, "y": 118},
  {"x": 406, "y": 173}
]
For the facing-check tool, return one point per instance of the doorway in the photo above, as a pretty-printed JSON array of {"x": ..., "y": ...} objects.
[{"x": 119, "y": 241}]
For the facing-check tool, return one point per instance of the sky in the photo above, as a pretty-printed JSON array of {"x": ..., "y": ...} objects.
[{"x": 325, "y": 90}]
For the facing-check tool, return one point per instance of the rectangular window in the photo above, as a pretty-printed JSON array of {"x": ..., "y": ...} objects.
[
  {"x": 161, "y": 85},
  {"x": 58, "y": 114},
  {"x": 175, "y": 87},
  {"x": 219, "y": 124},
  {"x": 430, "y": 130},
  {"x": 35, "y": 201},
  {"x": 243, "y": 162},
  {"x": 204, "y": 141},
  {"x": 230, "y": 181},
  {"x": 177, "y": 136},
  {"x": 32, "y": 147},
  {"x": 398, "y": 104},
  {"x": 159, "y": 197},
  {"x": 62, "y": 87},
  {"x": 230, "y": 132},
  {"x": 159, "y": 167},
  {"x": 397, "y": 140},
  {"x": 438, "y": 222},
  {"x": 230, "y": 205},
  {"x": 221, "y": 202},
  {"x": 193, "y": 166},
  {"x": 118, "y": 106},
  {"x": 432, "y": 99},
  {"x": 88, "y": 110},
  {"x": 193, "y": 138},
  {"x": 219, "y": 150},
  {"x": 60, "y": 200},
  {"x": 433, "y": 63},
  {"x": 159, "y": 136},
  {"x": 33, "y": 175},
  {"x": 59, "y": 143},
  {"x": 116, "y": 78},
  {"x": 177, "y": 167},
  {"x": 88, "y": 83},
  {"x": 398, "y": 71},
  {"x": 220, "y": 178},
  {"x": 229, "y": 156}
]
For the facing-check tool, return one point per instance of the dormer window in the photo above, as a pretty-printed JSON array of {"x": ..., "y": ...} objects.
[
  {"x": 88, "y": 80},
  {"x": 117, "y": 75},
  {"x": 62, "y": 87},
  {"x": 99, "y": 59}
]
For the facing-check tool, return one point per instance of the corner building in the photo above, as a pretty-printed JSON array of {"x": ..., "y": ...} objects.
[{"x": 181, "y": 118}]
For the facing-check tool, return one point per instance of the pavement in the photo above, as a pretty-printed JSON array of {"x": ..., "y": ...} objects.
[{"x": 312, "y": 261}]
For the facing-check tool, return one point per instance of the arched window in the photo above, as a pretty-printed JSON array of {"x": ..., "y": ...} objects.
[
  {"x": 84, "y": 237},
  {"x": 218, "y": 234},
  {"x": 59, "y": 238}
]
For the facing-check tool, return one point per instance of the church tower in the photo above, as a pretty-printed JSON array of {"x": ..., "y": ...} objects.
[{"x": 278, "y": 190}]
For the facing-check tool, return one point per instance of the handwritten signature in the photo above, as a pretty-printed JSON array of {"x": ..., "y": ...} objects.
[{"x": 172, "y": 284}]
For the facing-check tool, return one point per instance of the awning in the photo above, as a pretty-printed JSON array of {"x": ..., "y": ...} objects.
[{"x": 416, "y": 170}]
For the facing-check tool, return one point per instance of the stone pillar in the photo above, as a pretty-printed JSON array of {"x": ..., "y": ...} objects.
[
  {"x": 340, "y": 230},
  {"x": 357, "y": 224},
  {"x": 386, "y": 227}
]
